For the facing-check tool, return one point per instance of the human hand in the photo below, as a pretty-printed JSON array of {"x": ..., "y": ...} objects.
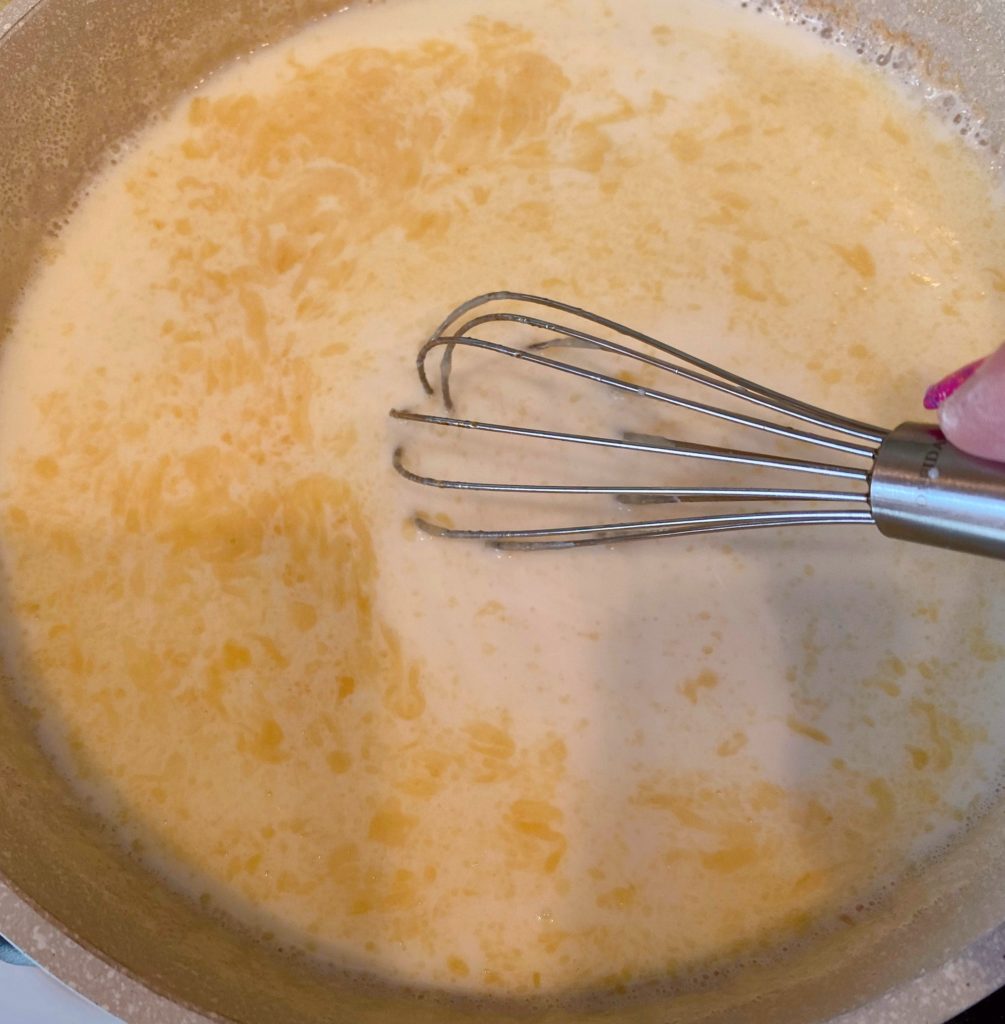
[{"x": 971, "y": 404}]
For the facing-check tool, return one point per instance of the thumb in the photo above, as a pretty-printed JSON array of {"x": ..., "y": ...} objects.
[{"x": 973, "y": 415}]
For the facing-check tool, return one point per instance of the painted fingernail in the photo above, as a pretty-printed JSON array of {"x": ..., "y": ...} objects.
[{"x": 938, "y": 393}]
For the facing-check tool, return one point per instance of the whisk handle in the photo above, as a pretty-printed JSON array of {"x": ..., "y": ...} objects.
[{"x": 924, "y": 489}]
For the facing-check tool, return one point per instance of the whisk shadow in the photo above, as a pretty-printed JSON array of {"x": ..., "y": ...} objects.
[{"x": 791, "y": 786}]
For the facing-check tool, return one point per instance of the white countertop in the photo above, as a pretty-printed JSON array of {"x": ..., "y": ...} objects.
[{"x": 30, "y": 996}]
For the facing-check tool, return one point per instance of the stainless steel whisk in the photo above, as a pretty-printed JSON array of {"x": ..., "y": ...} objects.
[{"x": 910, "y": 481}]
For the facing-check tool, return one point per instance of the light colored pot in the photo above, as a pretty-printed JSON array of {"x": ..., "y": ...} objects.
[{"x": 75, "y": 77}]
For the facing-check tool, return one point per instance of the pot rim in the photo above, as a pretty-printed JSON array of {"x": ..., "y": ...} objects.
[{"x": 933, "y": 997}]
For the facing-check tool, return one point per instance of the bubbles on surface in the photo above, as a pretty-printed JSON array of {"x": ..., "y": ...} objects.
[{"x": 901, "y": 59}]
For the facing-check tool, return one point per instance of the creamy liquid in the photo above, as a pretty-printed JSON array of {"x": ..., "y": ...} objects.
[{"x": 516, "y": 773}]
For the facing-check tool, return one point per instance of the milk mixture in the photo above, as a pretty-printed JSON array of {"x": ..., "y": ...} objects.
[{"x": 515, "y": 773}]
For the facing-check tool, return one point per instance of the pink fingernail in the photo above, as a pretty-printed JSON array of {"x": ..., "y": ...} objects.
[{"x": 938, "y": 393}]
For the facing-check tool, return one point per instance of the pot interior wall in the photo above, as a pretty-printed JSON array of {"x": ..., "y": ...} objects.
[{"x": 74, "y": 79}]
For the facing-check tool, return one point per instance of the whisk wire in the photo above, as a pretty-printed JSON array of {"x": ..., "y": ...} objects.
[
  {"x": 781, "y": 402},
  {"x": 644, "y": 443},
  {"x": 531, "y": 355},
  {"x": 633, "y": 494},
  {"x": 613, "y": 533}
]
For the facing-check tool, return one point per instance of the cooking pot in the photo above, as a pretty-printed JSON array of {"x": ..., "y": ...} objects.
[{"x": 76, "y": 78}]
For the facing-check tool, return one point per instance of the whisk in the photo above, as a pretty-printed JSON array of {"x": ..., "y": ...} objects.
[{"x": 910, "y": 481}]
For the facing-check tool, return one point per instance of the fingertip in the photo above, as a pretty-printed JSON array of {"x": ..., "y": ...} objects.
[{"x": 973, "y": 415}]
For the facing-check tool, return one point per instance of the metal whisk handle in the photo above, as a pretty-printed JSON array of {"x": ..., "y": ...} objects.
[{"x": 924, "y": 489}]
